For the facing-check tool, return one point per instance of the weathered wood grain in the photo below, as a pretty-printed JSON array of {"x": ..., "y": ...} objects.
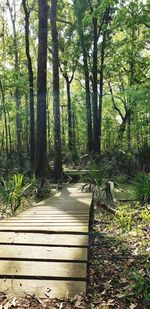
[
  {"x": 46, "y": 239},
  {"x": 42, "y": 288},
  {"x": 33, "y": 252},
  {"x": 43, "y": 269},
  {"x": 44, "y": 248}
]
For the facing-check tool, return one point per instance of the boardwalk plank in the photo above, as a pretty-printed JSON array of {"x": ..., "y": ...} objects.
[
  {"x": 45, "y": 220},
  {"x": 48, "y": 239},
  {"x": 42, "y": 288},
  {"x": 45, "y": 246},
  {"x": 38, "y": 228},
  {"x": 30, "y": 252},
  {"x": 43, "y": 269}
]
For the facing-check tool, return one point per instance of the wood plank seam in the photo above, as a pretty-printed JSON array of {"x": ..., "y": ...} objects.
[{"x": 68, "y": 214}]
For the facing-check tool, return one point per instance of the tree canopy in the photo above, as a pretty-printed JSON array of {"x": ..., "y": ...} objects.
[{"x": 73, "y": 80}]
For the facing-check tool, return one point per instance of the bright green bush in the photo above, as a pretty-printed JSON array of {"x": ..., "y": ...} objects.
[{"x": 124, "y": 221}]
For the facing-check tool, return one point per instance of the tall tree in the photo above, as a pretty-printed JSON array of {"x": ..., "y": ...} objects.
[
  {"x": 13, "y": 15},
  {"x": 79, "y": 10},
  {"x": 96, "y": 139},
  {"x": 106, "y": 20},
  {"x": 56, "y": 98},
  {"x": 27, "y": 12},
  {"x": 41, "y": 138}
]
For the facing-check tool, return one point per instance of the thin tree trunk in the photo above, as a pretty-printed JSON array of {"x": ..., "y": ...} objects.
[
  {"x": 55, "y": 55},
  {"x": 17, "y": 94},
  {"x": 41, "y": 138},
  {"x": 101, "y": 87},
  {"x": 87, "y": 80},
  {"x": 31, "y": 83},
  {"x": 96, "y": 138},
  {"x": 48, "y": 132},
  {"x": 27, "y": 123},
  {"x": 129, "y": 132},
  {"x": 2, "y": 141},
  {"x": 122, "y": 127},
  {"x": 70, "y": 128},
  {"x": 9, "y": 132},
  {"x": 5, "y": 118},
  {"x": 63, "y": 126}
]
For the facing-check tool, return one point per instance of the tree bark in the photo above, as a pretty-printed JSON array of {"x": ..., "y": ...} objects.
[
  {"x": 41, "y": 138},
  {"x": 70, "y": 127},
  {"x": 27, "y": 124},
  {"x": 96, "y": 139},
  {"x": 5, "y": 118},
  {"x": 87, "y": 79},
  {"x": 9, "y": 131},
  {"x": 101, "y": 87},
  {"x": 56, "y": 106},
  {"x": 17, "y": 94},
  {"x": 31, "y": 83}
]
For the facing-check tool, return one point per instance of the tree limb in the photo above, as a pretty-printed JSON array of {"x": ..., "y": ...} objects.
[
  {"x": 108, "y": 208},
  {"x": 113, "y": 101},
  {"x": 64, "y": 21}
]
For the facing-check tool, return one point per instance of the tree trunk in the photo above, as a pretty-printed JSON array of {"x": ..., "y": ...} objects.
[
  {"x": 31, "y": 83},
  {"x": 70, "y": 128},
  {"x": 55, "y": 55},
  {"x": 5, "y": 118},
  {"x": 17, "y": 94},
  {"x": 26, "y": 123},
  {"x": 96, "y": 146},
  {"x": 101, "y": 87},
  {"x": 9, "y": 131},
  {"x": 41, "y": 138},
  {"x": 87, "y": 79},
  {"x": 122, "y": 127},
  {"x": 48, "y": 132},
  {"x": 129, "y": 132}
]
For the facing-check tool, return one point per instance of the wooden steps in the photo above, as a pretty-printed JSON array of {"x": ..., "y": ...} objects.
[{"x": 44, "y": 250}]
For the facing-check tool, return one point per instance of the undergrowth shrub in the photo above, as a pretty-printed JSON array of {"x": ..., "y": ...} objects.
[
  {"x": 145, "y": 216},
  {"x": 124, "y": 221},
  {"x": 142, "y": 188},
  {"x": 141, "y": 285},
  {"x": 12, "y": 191},
  {"x": 96, "y": 173},
  {"x": 143, "y": 156}
]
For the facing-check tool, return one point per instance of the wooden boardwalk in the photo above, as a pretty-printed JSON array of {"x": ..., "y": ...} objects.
[{"x": 44, "y": 250}]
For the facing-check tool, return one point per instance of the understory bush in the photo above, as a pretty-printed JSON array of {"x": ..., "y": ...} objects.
[
  {"x": 143, "y": 157},
  {"x": 125, "y": 221},
  {"x": 141, "y": 285},
  {"x": 12, "y": 191},
  {"x": 142, "y": 188}
]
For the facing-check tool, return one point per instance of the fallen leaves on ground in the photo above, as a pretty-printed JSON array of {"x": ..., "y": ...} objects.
[{"x": 118, "y": 271}]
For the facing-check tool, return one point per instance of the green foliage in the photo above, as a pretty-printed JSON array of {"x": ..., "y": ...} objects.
[
  {"x": 11, "y": 191},
  {"x": 143, "y": 156},
  {"x": 125, "y": 221},
  {"x": 145, "y": 216},
  {"x": 119, "y": 162},
  {"x": 141, "y": 284},
  {"x": 96, "y": 173},
  {"x": 142, "y": 188}
]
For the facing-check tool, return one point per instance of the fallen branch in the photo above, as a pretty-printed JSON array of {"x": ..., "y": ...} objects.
[{"x": 108, "y": 208}]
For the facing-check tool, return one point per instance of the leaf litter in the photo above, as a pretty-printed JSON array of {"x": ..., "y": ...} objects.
[{"x": 117, "y": 274}]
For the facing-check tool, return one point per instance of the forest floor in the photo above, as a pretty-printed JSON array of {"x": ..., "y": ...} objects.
[{"x": 118, "y": 266}]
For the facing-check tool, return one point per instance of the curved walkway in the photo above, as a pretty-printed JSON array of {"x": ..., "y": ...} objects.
[{"x": 44, "y": 250}]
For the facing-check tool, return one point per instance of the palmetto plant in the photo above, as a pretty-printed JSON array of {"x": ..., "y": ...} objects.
[{"x": 11, "y": 191}]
